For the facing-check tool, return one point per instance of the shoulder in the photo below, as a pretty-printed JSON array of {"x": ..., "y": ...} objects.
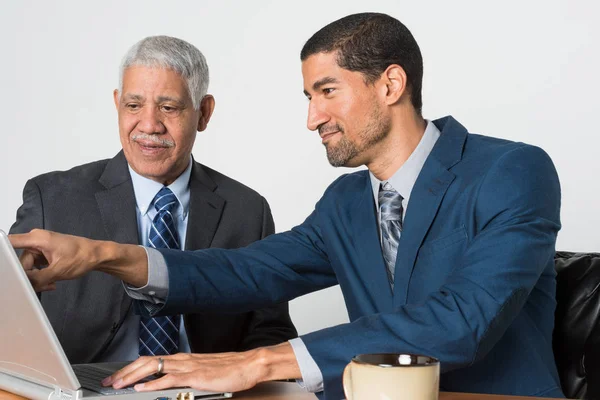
[
  {"x": 348, "y": 184},
  {"x": 345, "y": 189},
  {"x": 79, "y": 175},
  {"x": 516, "y": 177},
  {"x": 493, "y": 148},
  {"x": 485, "y": 157},
  {"x": 500, "y": 154},
  {"x": 231, "y": 189}
]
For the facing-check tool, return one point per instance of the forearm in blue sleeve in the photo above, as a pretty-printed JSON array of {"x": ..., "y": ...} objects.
[{"x": 276, "y": 269}]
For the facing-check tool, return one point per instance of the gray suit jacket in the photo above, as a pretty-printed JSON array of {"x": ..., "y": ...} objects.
[{"x": 97, "y": 201}]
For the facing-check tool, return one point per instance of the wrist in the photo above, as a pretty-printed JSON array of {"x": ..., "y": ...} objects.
[
  {"x": 277, "y": 363},
  {"x": 106, "y": 256},
  {"x": 126, "y": 262}
]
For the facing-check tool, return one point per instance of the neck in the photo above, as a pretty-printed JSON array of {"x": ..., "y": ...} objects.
[{"x": 406, "y": 133}]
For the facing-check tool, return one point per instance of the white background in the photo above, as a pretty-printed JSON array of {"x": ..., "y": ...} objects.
[{"x": 522, "y": 70}]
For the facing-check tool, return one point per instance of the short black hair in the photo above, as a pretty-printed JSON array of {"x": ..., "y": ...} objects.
[{"x": 369, "y": 43}]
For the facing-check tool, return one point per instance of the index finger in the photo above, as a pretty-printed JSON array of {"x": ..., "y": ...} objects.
[
  {"x": 25, "y": 240},
  {"x": 142, "y": 371},
  {"x": 125, "y": 370}
]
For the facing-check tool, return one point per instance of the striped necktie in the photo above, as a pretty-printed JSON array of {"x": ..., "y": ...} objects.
[
  {"x": 160, "y": 335},
  {"x": 390, "y": 221}
]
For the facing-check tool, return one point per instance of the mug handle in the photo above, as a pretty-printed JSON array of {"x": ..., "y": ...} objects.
[{"x": 347, "y": 381}]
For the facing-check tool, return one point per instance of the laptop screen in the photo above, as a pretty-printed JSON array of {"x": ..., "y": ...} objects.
[{"x": 29, "y": 348}]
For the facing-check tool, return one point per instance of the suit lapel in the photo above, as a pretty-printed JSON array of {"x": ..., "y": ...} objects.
[
  {"x": 371, "y": 267},
  {"x": 117, "y": 208},
  {"x": 117, "y": 202},
  {"x": 425, "y": 199},
  {"x": 205, "y": 211}
]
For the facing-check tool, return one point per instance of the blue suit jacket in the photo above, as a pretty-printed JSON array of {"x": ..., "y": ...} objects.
[{"x": 474, "y": 280}]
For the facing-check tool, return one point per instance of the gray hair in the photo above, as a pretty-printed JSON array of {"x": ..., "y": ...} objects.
[{"x": 174, "y": 54}]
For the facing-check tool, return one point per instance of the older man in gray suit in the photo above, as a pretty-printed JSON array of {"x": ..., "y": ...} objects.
[{"x": 152, "y": 193}]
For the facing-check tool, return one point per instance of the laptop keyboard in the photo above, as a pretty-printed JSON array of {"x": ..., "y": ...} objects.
[{"x": 91, "y": 376}]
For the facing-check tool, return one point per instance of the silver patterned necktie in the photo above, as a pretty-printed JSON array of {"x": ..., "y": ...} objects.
[
  {"x": 390, "y": 221},
  {"x": 160, "y": 335}
]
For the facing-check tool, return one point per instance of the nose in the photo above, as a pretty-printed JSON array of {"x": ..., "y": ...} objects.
[
  {"x": 150, "y": 121},
  {"x": 316, "y": 115}
]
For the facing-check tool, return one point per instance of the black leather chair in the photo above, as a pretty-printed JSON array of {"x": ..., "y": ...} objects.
[{"x": 576, "y": 338}]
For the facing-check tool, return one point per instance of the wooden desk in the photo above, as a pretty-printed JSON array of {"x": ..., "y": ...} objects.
[{"x": 291, "y": 391}]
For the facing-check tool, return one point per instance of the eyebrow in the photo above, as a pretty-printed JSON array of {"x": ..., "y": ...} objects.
[
  {"x": 168, "y": 98},
  {"x": 129, "y": 96},
  {"x": 322, "y": 82}
]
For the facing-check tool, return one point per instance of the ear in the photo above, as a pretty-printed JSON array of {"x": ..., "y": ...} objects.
[
  {"x": 394, "y": 82},
  {"x": 207, "y": 105},
  {"x": 116, "y": 98}
]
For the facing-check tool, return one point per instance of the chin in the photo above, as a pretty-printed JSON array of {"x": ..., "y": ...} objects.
[{"x": 351, "y": 163}]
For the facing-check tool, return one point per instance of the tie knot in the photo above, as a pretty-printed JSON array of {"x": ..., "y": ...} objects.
[
  {"x": 165, "y": 200},
  {"x": 390, "y": 202},
  {"x": 386, "y": 186}
]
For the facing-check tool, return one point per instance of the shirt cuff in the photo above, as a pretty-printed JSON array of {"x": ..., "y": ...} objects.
[
  {"x": 157, "y": 288},
  {"x": 312, "y": 378}
]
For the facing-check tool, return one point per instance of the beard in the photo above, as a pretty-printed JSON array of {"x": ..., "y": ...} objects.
[
  {"x": 345, "y": 150},
  {"x": 340, "y": 154}
]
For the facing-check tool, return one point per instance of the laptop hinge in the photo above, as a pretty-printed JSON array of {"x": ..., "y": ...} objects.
[{"x": 32, "y": 390}]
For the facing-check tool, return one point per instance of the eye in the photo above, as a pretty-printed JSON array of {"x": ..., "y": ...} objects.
[
  {"x": 132, "y": 106},
  {"x": 168, "y": 109},
  {"x": 328, "y": 90}
]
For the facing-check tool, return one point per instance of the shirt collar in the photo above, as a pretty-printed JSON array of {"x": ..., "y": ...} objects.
[
  {"x": 146, "y": 189},
  {"x": 405, "y": 177}
]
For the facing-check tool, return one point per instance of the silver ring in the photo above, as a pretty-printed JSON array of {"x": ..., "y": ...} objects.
[{"x": 161, "y": 364}]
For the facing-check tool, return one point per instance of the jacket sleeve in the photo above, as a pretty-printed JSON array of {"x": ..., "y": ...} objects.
[
  {"x": 31, "y": 213},
  {"x": 271, "y": 325},
  {"x": 268, "y": 272},
  {"x": 271, "y": 271}
]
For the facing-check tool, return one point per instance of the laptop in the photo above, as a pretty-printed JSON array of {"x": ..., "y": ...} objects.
[{"x": 32, "y": 361}]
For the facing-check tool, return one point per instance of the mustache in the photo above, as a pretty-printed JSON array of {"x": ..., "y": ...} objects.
[
  {"x": 324, "y": 129},
  {"x": 154, "y": 139}
]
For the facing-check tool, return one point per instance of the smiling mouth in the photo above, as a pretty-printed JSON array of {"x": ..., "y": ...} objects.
[
  {"x": 151, "y": 145},
  {"x": 150, "y": 148},
  {"x": 326, "y": 136}
]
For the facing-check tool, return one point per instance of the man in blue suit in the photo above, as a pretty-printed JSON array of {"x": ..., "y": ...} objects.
[{"x": 443, "y": 247}]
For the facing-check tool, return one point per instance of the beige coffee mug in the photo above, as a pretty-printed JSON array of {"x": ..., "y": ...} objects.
[{"x": 392, "y": 377}]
